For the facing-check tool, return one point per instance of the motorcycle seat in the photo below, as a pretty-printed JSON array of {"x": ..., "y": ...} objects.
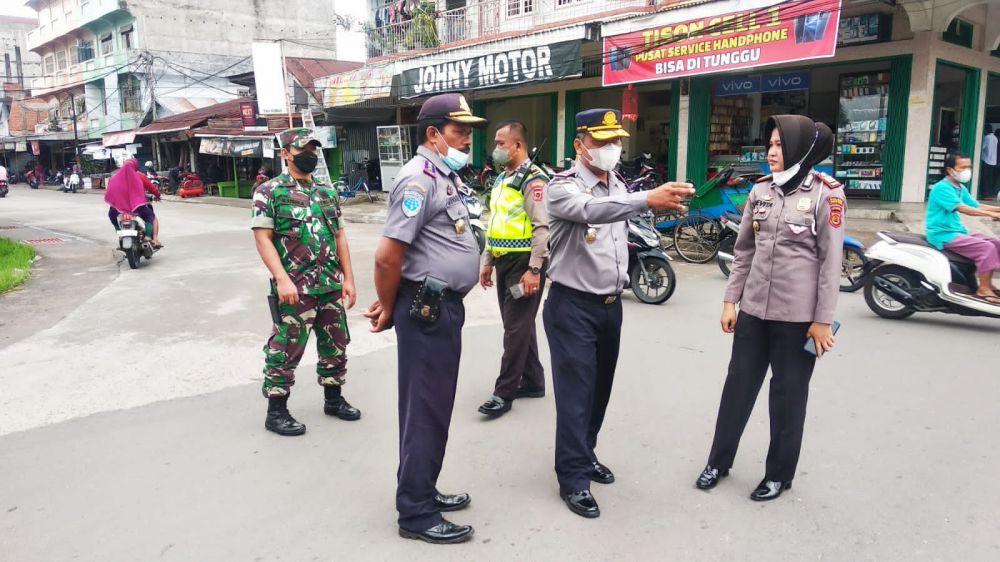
[{"x": 921, "y": 240}]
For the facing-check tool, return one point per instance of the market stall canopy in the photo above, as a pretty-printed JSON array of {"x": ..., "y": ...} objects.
[
  {"x": 118, "y": 138},
  {"x": 187, "y": 120}
]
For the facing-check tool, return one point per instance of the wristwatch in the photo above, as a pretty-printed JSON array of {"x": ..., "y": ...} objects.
[{"x": 534, "y": 270}]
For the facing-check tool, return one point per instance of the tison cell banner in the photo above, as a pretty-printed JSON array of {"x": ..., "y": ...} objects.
[{"x": 788, "y": 32}]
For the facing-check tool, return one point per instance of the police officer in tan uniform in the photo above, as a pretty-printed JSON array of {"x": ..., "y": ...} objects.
[
  {"x": 786, "y": 280},
  {"x": 589, "y": 207}
]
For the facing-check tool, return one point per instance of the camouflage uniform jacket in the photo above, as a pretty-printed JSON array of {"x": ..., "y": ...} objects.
[{"x": 305, "y": 220}]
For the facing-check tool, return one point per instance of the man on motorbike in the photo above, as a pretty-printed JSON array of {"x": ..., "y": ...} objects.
[{"x": 948, "y": 198}]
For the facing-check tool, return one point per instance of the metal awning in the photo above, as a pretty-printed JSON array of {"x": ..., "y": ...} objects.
[{"x": 119, "y": 138}]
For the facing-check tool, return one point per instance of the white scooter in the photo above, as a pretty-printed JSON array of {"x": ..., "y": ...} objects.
[{"x": 907, "y": 275}]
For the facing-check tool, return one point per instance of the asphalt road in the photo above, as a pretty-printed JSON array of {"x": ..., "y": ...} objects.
[{"x": 131, "y": 424}]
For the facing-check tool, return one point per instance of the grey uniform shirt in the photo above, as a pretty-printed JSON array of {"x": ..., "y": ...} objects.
[
  {"x": 577, "y": 201},
  {"x": 426, "y": 212},
  {"x": 787, "y": 268}
]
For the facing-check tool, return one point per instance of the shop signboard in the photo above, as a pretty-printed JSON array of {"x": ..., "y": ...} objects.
[
  {"x": 248, "y": 115},
  {"x": 869, "y": 28},
  {"x": 237, "y": 148},
  {"x": 507, "y": 68},
  {"x": 758, "y": 84},
  {"x": 788, "y": 32},
  {"x": 21, "y": 146},
  {"x": 356, "y": 86},
  {"x": 36, "y": 148}
]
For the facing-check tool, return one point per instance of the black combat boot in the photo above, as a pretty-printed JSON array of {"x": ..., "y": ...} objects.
[
  {"x": 279, "y": 420},
  {"x": 336, "y": 405}
]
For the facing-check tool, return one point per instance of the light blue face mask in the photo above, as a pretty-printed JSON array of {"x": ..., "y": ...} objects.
[{"x": 455, "y": 159}]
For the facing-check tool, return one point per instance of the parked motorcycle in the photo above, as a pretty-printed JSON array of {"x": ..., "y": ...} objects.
[
  {"x": 32, "y": 180},
  {"x": 55, "y": 179},
  {"x": 650, "y": 277},
  {"x": 3, "y": 188},
  {"x": 909, "y": 275},
  {"x": 72, "y": 183},
  {"x": 641, "y": 166},
  {"x": 853, "y": 267},
  {"x": 475, "y": 207}
]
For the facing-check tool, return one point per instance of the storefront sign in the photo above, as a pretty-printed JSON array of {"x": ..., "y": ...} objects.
[
  {"x": 546, "y": 62},
  {"x": 237, "y": 148},
  {"x": 742, "y": 85},
  {"x": 36, "y": 148},
  {"x": 788, "y": 32},
  {"x": 869, "y": 28},
  {"x": 21, "y": 147},
  {"x": 356, "y": 86},
  {"x": 9, "y": 145}
]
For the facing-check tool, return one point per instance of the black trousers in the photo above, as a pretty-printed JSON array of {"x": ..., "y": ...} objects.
[
  {"x": 758, "y": 344},
  {"x": 988, "y": 182},
  {"x": 584, "y": 335},
  {"x": 520, "y": 366},
  {"x": 428, "y": 359}
]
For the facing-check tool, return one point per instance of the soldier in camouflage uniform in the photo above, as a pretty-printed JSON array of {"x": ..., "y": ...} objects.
[{"x": 300, "y": 237}]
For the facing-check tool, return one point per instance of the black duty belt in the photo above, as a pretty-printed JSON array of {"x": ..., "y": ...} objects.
[
  {"x": 586, "y": 297},
  {"x": 449, "y": 295}
]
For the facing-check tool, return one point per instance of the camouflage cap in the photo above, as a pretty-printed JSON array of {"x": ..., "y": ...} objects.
[{"x": 297, "y": 138}]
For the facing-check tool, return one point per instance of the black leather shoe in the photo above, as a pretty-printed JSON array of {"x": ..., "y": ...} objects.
[
  {"x": 769, "y": 490},
  {"x": 528, "y": 393},
  {"x": 582, "y": 503},
  {"x": 495, "y": 407},
  {"x": 451, "y": 502},
  {"x": 282, "y": 423},
  {"x": 602, "y": 474},
  {"x": 710, "y": 477},
  {"x": 342, "y": 409},
  {"x": 444, "y": 532}
]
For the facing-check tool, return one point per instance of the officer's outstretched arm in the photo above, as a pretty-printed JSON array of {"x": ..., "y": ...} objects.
[{"x": 567, "y": 202}]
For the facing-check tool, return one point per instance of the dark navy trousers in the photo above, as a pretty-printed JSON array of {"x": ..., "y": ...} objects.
[
  {"x": 757, "y": 345},
  {"x": 584, "y": 334},
  {"x": 428, "y": 359}
]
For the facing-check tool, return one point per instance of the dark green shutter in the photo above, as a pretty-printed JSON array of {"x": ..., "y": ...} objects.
[
  {"x": 895, "y": 135},
  {"x": 699, "y": 113},
  {"x": 479, "y": 135},
  {"x": 970, "y": 112},
  {"x": 572, "y": 108},
  {"x": 554, "y": 130}
]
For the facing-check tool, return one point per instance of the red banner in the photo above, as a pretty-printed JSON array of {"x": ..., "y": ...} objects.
[
  {"x": 248, "y": 112},
  {"x": 788, "y": 32}
]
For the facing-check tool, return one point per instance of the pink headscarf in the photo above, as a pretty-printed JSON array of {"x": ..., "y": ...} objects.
[{"x": 125, "y": 191}]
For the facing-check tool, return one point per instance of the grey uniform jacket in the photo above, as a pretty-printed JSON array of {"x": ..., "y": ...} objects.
[
  {"x": 577, "y": 201},
  {"x": 426, "y": 212},
  {"x": 789, "y": 251}
]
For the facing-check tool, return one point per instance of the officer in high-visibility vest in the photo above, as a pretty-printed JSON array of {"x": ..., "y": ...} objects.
[{"x": 517, "y": 245}]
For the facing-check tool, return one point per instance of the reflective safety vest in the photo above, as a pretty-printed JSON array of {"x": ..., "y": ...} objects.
[{"x": 510, "y": 225}]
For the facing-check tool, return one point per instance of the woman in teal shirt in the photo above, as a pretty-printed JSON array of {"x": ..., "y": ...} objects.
[{"x": 949, "y": 197}]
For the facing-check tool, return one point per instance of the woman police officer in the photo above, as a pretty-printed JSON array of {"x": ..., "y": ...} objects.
[{"x": 786, "y": 279}]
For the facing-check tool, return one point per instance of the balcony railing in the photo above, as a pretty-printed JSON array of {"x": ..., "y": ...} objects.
[{"x": 489, "y": 19}]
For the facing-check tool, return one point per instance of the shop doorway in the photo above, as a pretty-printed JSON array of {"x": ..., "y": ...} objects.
[
  {"x": 538, "y": 113},
  {"x": 650, "y": 130},
  {"x": 954, "y": 119}
]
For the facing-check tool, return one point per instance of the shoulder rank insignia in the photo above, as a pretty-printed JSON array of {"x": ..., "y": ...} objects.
[
  {"x": 765, "y": 179},
  {"x": 829, "y": 181},
  {"x": 430, "y": 169},
  {"x": 570, "y": 173}
]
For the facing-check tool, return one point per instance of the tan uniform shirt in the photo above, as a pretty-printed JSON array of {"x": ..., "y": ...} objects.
[
  {"x": 789, "y": 250},
  {"x": 579, "y": 204}
]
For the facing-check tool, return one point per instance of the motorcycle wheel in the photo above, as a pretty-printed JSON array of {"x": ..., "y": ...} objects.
[
  {"x": 696, "y": 239},
  {"x": 883, "y": 304},
  {"x": 656, "y": 284},
  {"x": 727, "y": 246},
  {"x": 480, "y": 238},
  {"x": 132, "y": 254},
  {"x": 852, "y": 269}
]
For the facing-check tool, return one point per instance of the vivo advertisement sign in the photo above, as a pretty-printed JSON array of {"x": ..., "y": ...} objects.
[{"x": 757, "y": 84}]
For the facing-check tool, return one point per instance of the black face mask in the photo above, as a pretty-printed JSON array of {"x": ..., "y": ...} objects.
[{"x": 306, "y": 162}]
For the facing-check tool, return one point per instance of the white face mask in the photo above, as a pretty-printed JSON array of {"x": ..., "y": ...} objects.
[
  {"x": 455, "y": 158},
  {"x": 965, "y": 176},
  {"x": 606, "y": 157},
  {"x": 783, "y": 177}
]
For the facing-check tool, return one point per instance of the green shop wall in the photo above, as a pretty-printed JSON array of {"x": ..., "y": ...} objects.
[
  {"x": 895, "y": 134},
  {"x": 699, "y": 111}
]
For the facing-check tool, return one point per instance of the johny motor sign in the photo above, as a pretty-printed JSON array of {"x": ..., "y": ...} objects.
[{"x": 784, "y": 33}]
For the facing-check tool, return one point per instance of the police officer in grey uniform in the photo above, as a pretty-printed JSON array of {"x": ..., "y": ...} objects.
[
  {"x": 588, "y": 209},
  {"x": 427, "y": 261},
  {"x": 786, "y": 280}
]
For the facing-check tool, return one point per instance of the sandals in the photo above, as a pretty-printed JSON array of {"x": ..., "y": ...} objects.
[{"x": 990, "y": 299}]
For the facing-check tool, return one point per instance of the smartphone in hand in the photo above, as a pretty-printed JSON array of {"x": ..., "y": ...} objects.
[
  {"x": 517, "y": 291},
  {"x": 811, "y": 343}
]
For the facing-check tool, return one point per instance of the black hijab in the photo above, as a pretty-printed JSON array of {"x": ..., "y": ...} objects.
[{"x": 801, "y": 140}]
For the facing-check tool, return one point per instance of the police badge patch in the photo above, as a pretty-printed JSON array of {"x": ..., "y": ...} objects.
[{"x": 413, "y": 201}]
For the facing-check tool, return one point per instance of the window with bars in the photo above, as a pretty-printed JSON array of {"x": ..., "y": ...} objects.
[
  {"x": 567, "y": 2},
  {"x": 520, "y": 7},
  {"x": 107, "y": 43},
  {"x": 85, "y": 50},
  {"x": 61, "y": 61},
  {"x": 50, "y": 65},
  {"x": 128, "y": 36},
  {"x": 130, "y": 91}
]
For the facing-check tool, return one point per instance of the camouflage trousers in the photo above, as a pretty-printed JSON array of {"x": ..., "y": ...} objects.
[{"x": 323, "y": 314}]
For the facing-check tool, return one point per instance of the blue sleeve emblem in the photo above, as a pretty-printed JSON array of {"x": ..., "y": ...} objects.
[{"x": 413, "y": 201}]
